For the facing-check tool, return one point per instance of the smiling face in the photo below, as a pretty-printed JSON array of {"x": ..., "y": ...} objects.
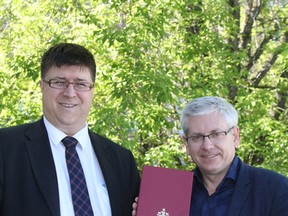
[
  {"x": 212, "y": 158},
  {"x": 67, "y": 109}
]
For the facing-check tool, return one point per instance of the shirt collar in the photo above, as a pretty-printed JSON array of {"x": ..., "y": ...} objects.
[
  {"x": 233, "y": 170},
  {"x": 231, "y": 174},
  {"x": 55, "y": 135}
]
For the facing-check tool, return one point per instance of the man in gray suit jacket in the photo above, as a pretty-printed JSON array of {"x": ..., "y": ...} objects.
[{"x": 34, "y": 178}]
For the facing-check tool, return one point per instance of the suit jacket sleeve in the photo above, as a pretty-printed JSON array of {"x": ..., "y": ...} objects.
[
  {"x": 120, "y": 173},
  {"x": 259, "y": 192}
]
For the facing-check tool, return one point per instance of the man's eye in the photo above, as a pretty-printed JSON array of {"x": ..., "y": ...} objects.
[
  {"x": 216, "y": 134},
  {"x": 81, "y": 85},
  {"x": 196, "y": 138},
  {"x": 59, "y": 82}
]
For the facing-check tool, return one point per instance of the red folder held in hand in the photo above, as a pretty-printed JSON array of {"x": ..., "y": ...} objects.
[{"x": 164, "y": 192}]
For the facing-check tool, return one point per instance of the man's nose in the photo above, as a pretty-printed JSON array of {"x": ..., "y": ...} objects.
[
  {"x": 70, "y": 91},
  {"x": 207, "y": 144}
]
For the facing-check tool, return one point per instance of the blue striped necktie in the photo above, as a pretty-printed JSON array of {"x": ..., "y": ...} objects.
[{"x": 80, "y": 196}]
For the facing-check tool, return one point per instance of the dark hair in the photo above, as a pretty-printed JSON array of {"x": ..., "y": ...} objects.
[{"x": 68, "y": 54}]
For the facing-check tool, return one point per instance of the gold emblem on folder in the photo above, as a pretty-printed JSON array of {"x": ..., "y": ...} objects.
[{"x": 163, "y": 213}]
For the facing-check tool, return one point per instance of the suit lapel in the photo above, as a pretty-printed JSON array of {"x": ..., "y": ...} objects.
[
  {"x": 42, "y": 163},
  {"x": 241, "y": 191},
  {"x": 105, "y": 157}
]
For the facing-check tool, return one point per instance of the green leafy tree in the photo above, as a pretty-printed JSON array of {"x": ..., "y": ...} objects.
[{"x": 152, "y": 57}]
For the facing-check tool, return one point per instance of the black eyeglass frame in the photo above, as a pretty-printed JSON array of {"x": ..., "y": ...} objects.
[
  {"x": 67, "y": 83},
  {"x": 214, "y": 133}
]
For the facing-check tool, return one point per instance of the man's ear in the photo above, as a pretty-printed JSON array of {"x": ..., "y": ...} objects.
[
  {"x": 41, "y": 85},
  {"x": 185, "y": 144},
  {"x": 236, "y": 136}
]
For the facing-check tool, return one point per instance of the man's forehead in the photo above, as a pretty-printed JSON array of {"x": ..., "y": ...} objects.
[
  {"x": 207, "y": 123},
  {"x": 69, "y": 71}
]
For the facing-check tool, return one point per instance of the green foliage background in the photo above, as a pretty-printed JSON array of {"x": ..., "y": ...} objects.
[{"x": 152, "y": 57}]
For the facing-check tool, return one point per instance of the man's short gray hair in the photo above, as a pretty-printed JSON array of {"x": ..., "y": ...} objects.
[{"x": 207, "y": 105}]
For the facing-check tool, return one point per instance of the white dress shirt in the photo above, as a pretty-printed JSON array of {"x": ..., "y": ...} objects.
[{"x": 94, "y": 178}]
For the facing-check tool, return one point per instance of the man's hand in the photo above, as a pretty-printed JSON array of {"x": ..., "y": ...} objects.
[{"x": 134, "y": 207}]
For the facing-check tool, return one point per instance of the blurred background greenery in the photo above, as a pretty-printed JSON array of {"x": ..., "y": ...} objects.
[{"x": 153, "y": 57}]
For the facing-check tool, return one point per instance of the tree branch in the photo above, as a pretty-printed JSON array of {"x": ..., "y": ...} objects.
[
  {"x": 267, "y": 66},
  {"x": 252, "y": 13}
]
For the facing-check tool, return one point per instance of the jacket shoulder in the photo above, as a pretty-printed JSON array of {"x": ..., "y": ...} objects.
[
  {"x": 22, "y": 132},
  {"x": 263, "y": 176}
]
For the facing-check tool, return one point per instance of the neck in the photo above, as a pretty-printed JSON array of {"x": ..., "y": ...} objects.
[
  {"x": 211, "y": 185},
  {"x": 212, "y": 181}
]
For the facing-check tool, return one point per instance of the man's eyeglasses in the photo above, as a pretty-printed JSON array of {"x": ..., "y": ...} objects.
[
  {"x": 63, "y": 84},
  {"x": 213, "y": 137}
]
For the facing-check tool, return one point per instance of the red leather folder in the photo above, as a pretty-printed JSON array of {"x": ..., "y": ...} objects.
[{"x": 164, "y": 192}]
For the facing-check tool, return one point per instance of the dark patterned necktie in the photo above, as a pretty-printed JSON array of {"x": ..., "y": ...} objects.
[{"x": 80, "y": 197}]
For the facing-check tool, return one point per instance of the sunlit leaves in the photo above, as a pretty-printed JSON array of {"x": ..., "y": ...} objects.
[{"x": 153, "y": 56}]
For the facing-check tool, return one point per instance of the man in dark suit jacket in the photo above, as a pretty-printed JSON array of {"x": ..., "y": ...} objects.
[
  {"x": 223, "y": 185},
  {"x": 34, "y": 180}
]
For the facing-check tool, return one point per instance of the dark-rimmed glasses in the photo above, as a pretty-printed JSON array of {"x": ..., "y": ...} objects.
[
  {"x": 80, "y": 86},
  {"x": 213, "y": 137}
]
